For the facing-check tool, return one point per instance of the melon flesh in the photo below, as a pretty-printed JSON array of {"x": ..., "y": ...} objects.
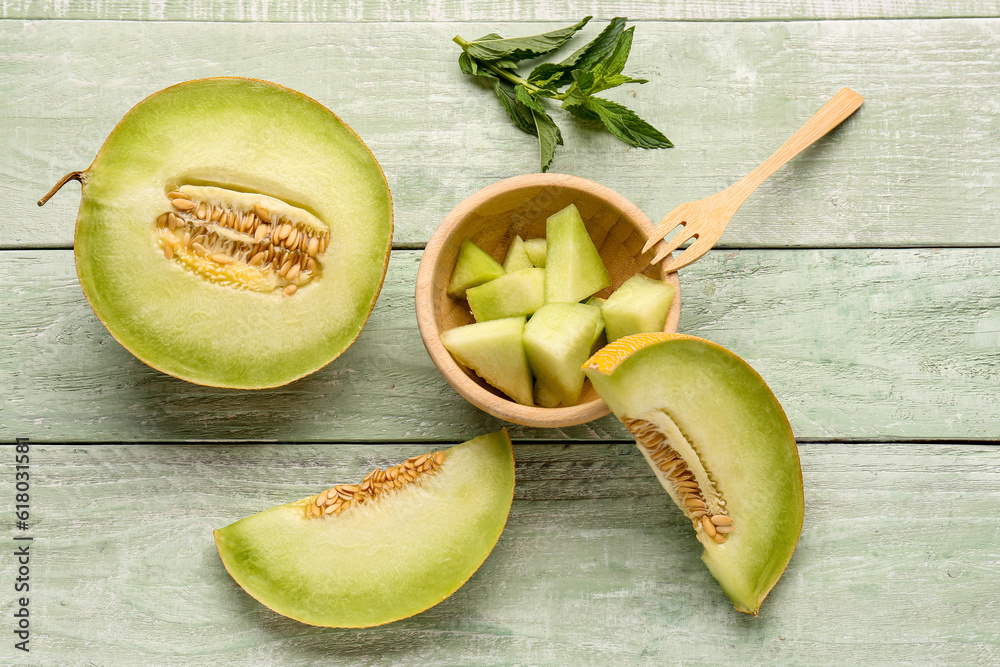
[
  {"x": 384, "y": 560},
  {"x": 494, "y": 351},
  {"x": 244, "y": 136},
  {"x": 517, "y": 257},
  {"x": 518, "y": 293},
  {"x": 720, "y": 415},
  {"x": 573, "y": 266},
  {"x": 473, "y": 267},
  {"x": 640, "y": 305},
  {"x": 557, "y": 340},
  {"x": 536, "y": 252}
]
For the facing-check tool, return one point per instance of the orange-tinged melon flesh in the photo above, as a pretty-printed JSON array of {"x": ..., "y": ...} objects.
[
  {"x": 394, "y": 556},
  {"x": 718, "y": 414}
]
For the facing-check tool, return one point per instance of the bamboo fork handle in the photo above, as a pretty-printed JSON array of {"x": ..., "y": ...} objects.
[{"x": 829, "y": 116}]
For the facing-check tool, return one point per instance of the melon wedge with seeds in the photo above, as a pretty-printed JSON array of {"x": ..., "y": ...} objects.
[
  {"x": 493, "y": 350},
  {"x": 391, "y": 555},
  {"x": 574, "y": 269},
  {"x": 173, "y": 213},
  {"x": 720, "y": 445},
  {"x": 473, "y": 267}
]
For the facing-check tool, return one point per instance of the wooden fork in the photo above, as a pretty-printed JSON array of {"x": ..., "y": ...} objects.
[{"x": 704, "y": 220}]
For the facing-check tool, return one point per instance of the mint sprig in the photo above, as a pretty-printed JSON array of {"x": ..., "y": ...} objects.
[{"x": 595, "y": 67}]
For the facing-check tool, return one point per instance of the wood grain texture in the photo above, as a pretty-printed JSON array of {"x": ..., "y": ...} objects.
[
  {"x": 916, "y": 166},
  {"x": 856, "y": 344},
  {"x": 482, "y": 10},
  {"x": 896, "y": 563}
]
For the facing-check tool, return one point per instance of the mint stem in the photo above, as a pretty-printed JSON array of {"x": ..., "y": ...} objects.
[{"x": 504, "y": 73}]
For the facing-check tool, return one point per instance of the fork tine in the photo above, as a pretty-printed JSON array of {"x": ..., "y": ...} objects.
[
  {"x": 667, "y": 225},
  {"x": 680, "y": 239},
  {"x": 700, "y": 246}
]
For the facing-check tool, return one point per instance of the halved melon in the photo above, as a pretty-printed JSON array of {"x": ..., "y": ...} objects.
[
  {"x": 233, "y": 232},
  {"x": 380, "y": 550},
  {"x": 720, "y": 445}
]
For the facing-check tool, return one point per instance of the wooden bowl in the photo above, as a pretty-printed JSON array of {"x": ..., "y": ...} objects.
[{"x": 491, "y": 218}]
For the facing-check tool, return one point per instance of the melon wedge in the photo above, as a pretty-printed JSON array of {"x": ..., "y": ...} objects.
[
  {"x": 721, "y": 446},
  {"x": 392, "y": 556}
]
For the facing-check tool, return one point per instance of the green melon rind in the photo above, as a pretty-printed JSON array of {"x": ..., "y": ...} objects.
[
  {"x": 716, "y": 397},
  {"x": 196, "y": 132},
  {"x": 375, "y": 564}
]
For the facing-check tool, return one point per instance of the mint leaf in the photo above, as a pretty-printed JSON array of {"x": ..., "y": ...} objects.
[
  {"x": 518, "y": 112},
  {"x": 492, "y": 47},
  {"x": 559, "y": 74},
  {"x": 527, "y": 99},
  {"x": 615, "y": 62},
  {"x": 548, "y": 137},
  {"x": 607, "y": 73},
  {"x": 626, "y": 124},
  {"x": 596, "y": 67}
]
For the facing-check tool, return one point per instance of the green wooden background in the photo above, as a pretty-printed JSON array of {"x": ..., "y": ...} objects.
[{"x": 862, "y": 281}]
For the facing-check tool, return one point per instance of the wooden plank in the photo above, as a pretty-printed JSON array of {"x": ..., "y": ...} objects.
[
  {"x": 480, "y": 10},
  {"x": 914, "y": 167},
  {"x": 896, "y": 563},
  {"x": 857, "y": 344}
]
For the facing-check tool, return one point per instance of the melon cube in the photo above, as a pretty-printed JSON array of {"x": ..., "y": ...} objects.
[
  {"x": 557, "y": 340},
  {"x": 640, "y": 305},
  {"x": 474, "y": 266},
  {"x": 517, "y": 257},
  {"x": 573, "y": 267},
  {"x": 536, "y": 252},
  {"x": 510, "y": 295},
  {"x": 494, "y": 351}
]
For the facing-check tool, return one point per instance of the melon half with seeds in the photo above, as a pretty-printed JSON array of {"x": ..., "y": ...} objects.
[
  {"x": 398, "y": 542},
  {"x": 721, "y": 447},
  {"x": 233, "y": 232}
]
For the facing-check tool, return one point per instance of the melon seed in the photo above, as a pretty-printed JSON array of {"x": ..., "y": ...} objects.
[
  {"x": 705, "y": 506},
  {"x": 377, "y": 482},
  {"x": 235, "y": 241}
]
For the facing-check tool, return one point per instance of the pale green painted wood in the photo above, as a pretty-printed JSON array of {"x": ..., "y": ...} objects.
[
  {"x": 896, "y": 564},
  {"x": 482, "y": 10},
  {"x": 857, "y": 344},
  {"x": 915, "y": 166}
]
